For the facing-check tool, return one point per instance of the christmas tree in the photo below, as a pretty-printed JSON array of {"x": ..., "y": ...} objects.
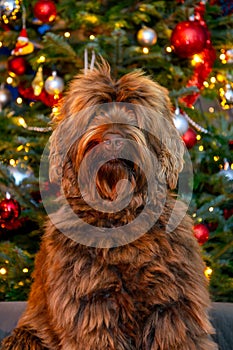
[{"x": 184, "y": 45}]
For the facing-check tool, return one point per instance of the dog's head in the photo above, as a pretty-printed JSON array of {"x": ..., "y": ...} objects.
[{"x": 112, "y": 133}]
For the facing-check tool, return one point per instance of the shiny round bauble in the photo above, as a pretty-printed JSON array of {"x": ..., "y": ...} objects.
[
  {"x": 17, "y": 65},
  {"x": 227, "y": 213},
  {"x": 45, "y": 11},
  {"x": 146, "y": 36},
  {"x": 54, "y": 85},
  {"x": 190, "y": 138},
  {"x": 188, "y": 38},
  {"x": 5, "y": 97},
  {"x": 229, "y": 94},
  {"x": 9, "y": 209},
  {"x": 230, "y": 143},
  {"x": 201, "y": 232},
  {"x": 180, "y": 122}
]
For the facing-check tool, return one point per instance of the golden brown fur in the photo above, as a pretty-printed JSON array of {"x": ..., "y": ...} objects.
[{"x": 149, "y": 294}]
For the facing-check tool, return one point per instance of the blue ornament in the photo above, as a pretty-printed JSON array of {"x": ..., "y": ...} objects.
[{"x": 44, "y": 28}]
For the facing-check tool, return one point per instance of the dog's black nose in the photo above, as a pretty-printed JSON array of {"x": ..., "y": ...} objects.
[{"x": 113, "y": 142}]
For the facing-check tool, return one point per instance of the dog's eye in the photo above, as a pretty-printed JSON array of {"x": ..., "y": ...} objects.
[{"x": 107, "y": 142}]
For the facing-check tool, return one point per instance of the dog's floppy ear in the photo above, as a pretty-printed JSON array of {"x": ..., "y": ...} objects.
[{"x": 156, "y": 118}]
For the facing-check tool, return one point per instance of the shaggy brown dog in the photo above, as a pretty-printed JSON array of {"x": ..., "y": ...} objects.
[{"x": 103, "y": 280}]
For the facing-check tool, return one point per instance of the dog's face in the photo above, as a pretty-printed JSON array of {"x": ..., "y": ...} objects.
[{"x": 113, "y": 138}]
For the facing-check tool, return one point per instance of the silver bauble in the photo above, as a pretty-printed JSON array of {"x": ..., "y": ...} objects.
[
  {"x": 5, "y": 97},
  {"x": 54, "y": 85},
  {"x": 146, "y": 36},
  {"x": 180, "y": 122},
  {"x": 229, "y": 93}
]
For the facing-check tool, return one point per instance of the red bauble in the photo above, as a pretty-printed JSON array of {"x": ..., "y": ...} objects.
[
  {"x": 190, "y": 138},
  {"x": 17, "y": 65},
  {"x": 201, "y": 232},
  {"x": 230, "y": 143},
  {"x": 227, "y": 213},
  {"x": 188, "y": 38},
  {"x": 9, "y": 210},
  {"x": 45, "y": 11},
  {"x": 212, "y": 226}
]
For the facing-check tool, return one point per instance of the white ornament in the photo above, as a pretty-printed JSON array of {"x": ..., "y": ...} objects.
[
  {"x": 5, "y": 97},
  {"x": 54, "y": 85},
  {"x": 229, "y": 93},
  {"x": 180, "y": 122},
  {"x": 146, "y": 36}
]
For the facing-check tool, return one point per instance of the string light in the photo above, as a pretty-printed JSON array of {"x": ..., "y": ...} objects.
[
  {"x": 201, "y": 148},
  {"x": 213, "y": 80},
  {"x": 9, "y": 80},
  {"x": 196, "y": 59},
  {"x": 168, "y": 49},
  {"x": 67, "y": 34},
  {"x": 198, "y": 137},
  {"x": 3, "y": 271},
  {"x": 206, "y": 84},
  {"x": 208, "y": 272},
  {"x": 211, "y": 209},
  {"x": 22, "y": 122},
  {"x": 19, "y": 100},
  {"x": 25, "y": 270},
  {"x": 145, "y": 50},
  {"x": 12, "y": 162},
  {"x": 211, "y": 109},
  {"x": 92, "y": 37},
  {"x": 41, "y": 59}
]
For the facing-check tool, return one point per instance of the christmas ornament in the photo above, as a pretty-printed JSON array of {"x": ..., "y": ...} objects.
[
  {"x": 9, "y": 9},
  {"x": 23, "y": 45},
  {"x": 188, "y": 38},
  {"x": 45, "y": 11},
  {"x": 9, "y": 209},
  {"x": 5, "y": 96},
  {"x": 229, "y": 94},
  {"x": 17, "y": 65},
  {"x": 230, "y": 143},
  {"x": 206, "y": 58},
  {"x": 229, "y": 56},
  {"x": 190, "y": 138},
  {"x": 212, "y": 226},
  {"x": 44, "y": 97},
  {"x": 44, "y": 28},
  {"x": 180, "y": 122},
  {"x": 54, "y": 85},
  {"x": 38, "y": 82},
  {"x": 227, "y": 172},
  {"x": 227, "y": 213},
  {"x": 146, "y": 36},
  {"x": 201, "y": 232},
  {"x": 20, "y": 173}
]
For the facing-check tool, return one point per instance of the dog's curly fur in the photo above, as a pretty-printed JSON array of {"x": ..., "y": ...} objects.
[{"x": 149, "y": 294}]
